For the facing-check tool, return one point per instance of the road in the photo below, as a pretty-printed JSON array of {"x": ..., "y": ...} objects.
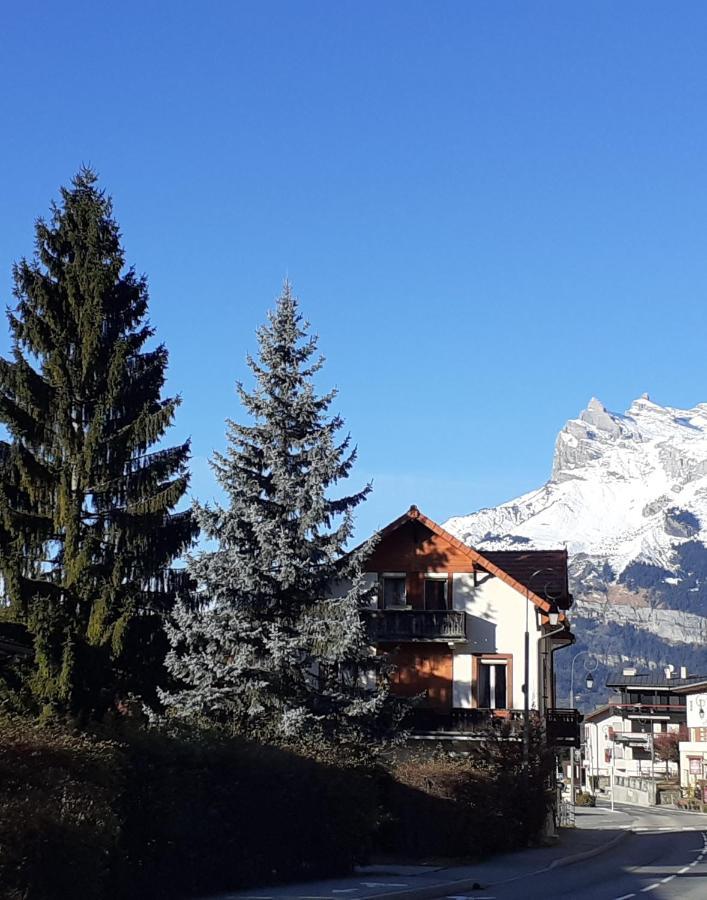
[
  {"x": 654, "y": 853},
  {"x": 664, "y": 858}
]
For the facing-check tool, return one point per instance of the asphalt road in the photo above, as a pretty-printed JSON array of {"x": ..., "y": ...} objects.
[{"x": 664, "y": 858}]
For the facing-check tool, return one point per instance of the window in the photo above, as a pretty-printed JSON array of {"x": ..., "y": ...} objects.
[
  {"x": 492, "y": 684},
  {"x": 436, "y": 592},
  {"x": 393, "y": 591}
]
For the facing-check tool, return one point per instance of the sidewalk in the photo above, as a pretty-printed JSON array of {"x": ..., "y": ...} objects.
[{"x": 596, "y": 830}]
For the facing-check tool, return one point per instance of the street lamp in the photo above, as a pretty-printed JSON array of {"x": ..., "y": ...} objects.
[{"x": 589, "y": 681}]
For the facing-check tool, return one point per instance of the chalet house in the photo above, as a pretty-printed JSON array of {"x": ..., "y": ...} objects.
[{"x": 454, "y": 622}]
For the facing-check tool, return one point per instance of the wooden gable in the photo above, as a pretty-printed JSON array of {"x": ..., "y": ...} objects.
[{"x": 414, "y": 547}]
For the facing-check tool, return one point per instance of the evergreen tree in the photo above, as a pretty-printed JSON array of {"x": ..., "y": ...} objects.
[
  {"x": 278, "y": 649},
  {"x": 87, "y": 532}
]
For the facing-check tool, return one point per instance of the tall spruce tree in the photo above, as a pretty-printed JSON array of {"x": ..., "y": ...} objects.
[
  {"x": 278, "y": 650},
  {"x": 87, "y": 528}
]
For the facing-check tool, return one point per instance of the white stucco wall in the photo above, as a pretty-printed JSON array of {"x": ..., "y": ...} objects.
[
  {"x": 694, "y": 749},
  {"x": 695, "y": 703},
  {"x": 597, "y": 742},
  {"x": 495, "y": 623}
]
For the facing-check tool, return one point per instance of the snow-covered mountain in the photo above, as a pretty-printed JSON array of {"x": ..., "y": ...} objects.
[{"x": 628, "y": 497}]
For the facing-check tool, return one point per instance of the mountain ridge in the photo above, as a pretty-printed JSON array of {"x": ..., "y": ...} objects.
[{"x": 627, "y": 496}]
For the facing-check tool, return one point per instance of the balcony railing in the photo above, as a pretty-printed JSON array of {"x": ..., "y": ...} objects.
[
  {"x": 563, "y": 727},
  {"x": 467, "y": 721},
  {"x": 415, "y": 625}
]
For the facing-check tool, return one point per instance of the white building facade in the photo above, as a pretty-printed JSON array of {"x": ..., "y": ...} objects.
[{"x": 693, "y": 752}]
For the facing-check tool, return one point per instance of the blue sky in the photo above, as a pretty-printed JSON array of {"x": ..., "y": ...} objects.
[{"x": 490, "y": 211}]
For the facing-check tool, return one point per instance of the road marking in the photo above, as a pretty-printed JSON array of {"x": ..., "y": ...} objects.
[
  {"x": 383, "y": 884},
  {"x": 651, "y": 887},
  {"x": 624, "y": 897},
  {"x": 666, "y": 880},
  {"x": 683, "y": 870}
]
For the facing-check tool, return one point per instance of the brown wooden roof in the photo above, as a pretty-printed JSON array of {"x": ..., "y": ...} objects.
[
  {"x": 543, "y": 570},
  {"x": 515, "y": 568}
]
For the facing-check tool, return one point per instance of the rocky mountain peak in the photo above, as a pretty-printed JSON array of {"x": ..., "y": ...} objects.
[{"x": 628, "y": 497}]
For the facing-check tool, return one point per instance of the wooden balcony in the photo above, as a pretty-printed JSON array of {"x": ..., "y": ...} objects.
[
  {"x": 403, "y": 625},
  {"x": 562, "y": 725},
  {"x": 467, "y": 721}
]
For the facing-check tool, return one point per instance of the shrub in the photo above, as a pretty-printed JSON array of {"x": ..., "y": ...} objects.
[
  {"x": 168, "y": 815},
  {"x": 465, "y": 807},
  {"x": 208, "y": 813},
  {"x": 150, "y": 814},
  {"x": 59, "y": 825},
  {"x": 584, "y": 798}
]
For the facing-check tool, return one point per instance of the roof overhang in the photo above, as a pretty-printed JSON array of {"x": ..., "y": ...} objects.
[{"x": 477, "y": 559}]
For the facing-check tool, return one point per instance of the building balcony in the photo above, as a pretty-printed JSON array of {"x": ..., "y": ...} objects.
[
  {"x": 428, "y": 722},
  {"x": 402, "y": 625},
  {"x": 562, "y": 725}
]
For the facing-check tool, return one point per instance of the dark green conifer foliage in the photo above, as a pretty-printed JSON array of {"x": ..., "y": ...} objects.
[{"x": 87, "y": 528}]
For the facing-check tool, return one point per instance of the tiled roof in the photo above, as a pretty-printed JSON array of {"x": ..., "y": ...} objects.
[
  {"x": 650, "y": 681},
  {"x": 545, "y": 571},
  {"x": 600, "y": 712}
]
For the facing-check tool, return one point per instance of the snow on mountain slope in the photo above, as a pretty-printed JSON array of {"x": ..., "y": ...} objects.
[
  {"x": 624, "y": 489},
  {"x": 628, "y": 497}
]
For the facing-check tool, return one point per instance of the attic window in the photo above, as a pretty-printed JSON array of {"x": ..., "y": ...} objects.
[
  {"x": 435, "y": 592},
  {"x": 394, "y": 591}
]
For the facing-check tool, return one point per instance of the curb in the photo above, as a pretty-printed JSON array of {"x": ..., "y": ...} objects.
[
  {"x": 587, "y": 854},
  {"x": 451, "y": 888}
]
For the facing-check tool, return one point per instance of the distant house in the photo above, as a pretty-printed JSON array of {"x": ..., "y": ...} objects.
[
  {"x": 693, "y": 752},
  {"x": 622, "y": 733},
  {"x": 453, "y": 621}
]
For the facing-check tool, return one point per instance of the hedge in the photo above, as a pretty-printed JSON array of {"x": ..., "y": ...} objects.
[
  {"x": 169, "y": 816},
  {"x": 442, "y": 806},
  {"x": 149, "y": 814}
]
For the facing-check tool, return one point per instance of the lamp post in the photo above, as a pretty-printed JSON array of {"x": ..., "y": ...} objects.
[
  {"x": 590, "y": 684},
  {"x": 554, "y": 618}
]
